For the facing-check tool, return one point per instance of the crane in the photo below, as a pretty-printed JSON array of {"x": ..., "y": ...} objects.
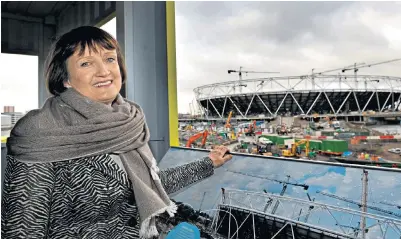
[
  {"x": 390, "y": 204},
  {"x": 359, "y": 204},
  {"x": 285, "y": 185},
  {"x": 240, "y": 71},
  {"x": 355, "y": 67}
]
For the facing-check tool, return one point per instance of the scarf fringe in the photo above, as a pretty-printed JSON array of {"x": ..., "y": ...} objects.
[{"x": 149, "y": 231}]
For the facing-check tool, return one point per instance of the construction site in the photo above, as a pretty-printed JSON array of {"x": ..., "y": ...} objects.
[
  {"x": 327, "y": 140},
  {"x": 352, "y": 119}
]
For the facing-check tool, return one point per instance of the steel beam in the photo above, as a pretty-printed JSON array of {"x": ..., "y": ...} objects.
[
  {"x": 328, "y": 100},
  {"x": 357, "y": 103},
  {"x": 207, "y": 109},
  {"x": 384, "y": 105},
  {"x": 224, "y": 106},
  {"x": 264, "y": 104},
  {"x": 297, "y": 103},
  {"x": 215, "y": 109},
  {"x": 367, "y": 103},
  {"x": 281, "y": 103},
  {"x": 313, "y": 104},
  {"x": 249, "y": 106},
  {"x": 378, "y": 101},
  {"x": 399, "y": 102},
  {"x": 235, "y": 106}
]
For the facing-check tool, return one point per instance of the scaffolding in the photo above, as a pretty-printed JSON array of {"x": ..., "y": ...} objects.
[{"x": 238, "y": 211}]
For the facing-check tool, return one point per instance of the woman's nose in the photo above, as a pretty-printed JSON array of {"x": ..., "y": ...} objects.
[{"x": 102, "y": 69}]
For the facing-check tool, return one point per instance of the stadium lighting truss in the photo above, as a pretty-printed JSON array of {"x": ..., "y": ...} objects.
[
  {"x": 298, "y": 216},
  {"x": 336, "y": 95}
]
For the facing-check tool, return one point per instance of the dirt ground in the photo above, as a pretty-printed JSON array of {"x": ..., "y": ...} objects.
[{"x": 380, "y": 149}]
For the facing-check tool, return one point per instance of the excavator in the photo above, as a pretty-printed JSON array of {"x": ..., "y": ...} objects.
[
  {"x": 296, "y": 152},
  {"x": 193, "y": 138},
  {"x": 228, "y": 125},
  {"x": 251, "y": 129}
]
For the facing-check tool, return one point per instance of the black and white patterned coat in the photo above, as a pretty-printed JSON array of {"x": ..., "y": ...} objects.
[{"x": 83, "y": 198}]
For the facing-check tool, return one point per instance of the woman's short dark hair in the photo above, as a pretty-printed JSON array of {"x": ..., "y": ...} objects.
[{"x": 79, "y": 38}]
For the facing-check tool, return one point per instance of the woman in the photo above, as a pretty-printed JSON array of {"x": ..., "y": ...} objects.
[{"x": 80, "y": 167}]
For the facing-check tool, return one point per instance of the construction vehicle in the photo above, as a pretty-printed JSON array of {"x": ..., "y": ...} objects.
[
  {"x": 188, "y": 127},
  {"x": 251, "y": 129},
  {"x": 282, "y": 130},
  {"x": 295, "y": 150},
  {"x": 195, "y": 137},
  {"x": 312, "y": 154},
  {"x": 228, "y": 125}
]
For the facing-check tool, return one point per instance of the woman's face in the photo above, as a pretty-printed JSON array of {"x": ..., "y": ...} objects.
[{"x": 95, "y": 75}]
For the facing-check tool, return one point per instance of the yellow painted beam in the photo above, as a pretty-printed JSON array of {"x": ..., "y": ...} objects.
[
  {"x": 4, "y": 139},
  {"x": 172, "y": 74},
  {"x": 106, "y": 19}
]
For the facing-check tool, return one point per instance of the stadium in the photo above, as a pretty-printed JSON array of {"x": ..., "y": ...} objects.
[{"x": 329, "y": 95}]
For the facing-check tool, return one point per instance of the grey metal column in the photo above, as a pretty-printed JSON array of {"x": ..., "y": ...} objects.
[
  {"x": 141, "y": 32},
  {"x": 46, "y": 32},
  {"x": 3, "y": 164}
]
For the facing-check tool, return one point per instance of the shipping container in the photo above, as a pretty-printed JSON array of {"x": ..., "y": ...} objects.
[
  {"x": 313, "y": 144},
  {"x": 281, "y": 139},
  {"x": 334, "y": 145},
  {"x": 327, "y": 133},
  {"x": 271, "y": 137}
]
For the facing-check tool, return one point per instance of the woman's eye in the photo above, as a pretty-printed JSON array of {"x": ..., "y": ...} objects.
[
  {"x": 111, "y": 59},
  {"x": 84, "y": 64}
]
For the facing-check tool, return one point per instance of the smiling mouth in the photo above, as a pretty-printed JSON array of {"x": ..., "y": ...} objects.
[{"x": 104, "y": 83}]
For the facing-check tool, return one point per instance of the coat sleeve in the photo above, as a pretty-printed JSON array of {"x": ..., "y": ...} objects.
[
  {"x": 26, "y": 199},
  {"x": 174, "y": 179}
]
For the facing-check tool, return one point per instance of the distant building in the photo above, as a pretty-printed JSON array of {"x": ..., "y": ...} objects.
[
  {"x": 6, "y": 125},
  {"x": 9, "y": 109},
  {"x": 15, "y": 116}
]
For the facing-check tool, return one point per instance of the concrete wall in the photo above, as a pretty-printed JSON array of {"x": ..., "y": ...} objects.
[{"x": 84, "y": 13}]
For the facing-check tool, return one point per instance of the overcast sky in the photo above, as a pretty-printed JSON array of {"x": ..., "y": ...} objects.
[{"x": 288, "y": 37}]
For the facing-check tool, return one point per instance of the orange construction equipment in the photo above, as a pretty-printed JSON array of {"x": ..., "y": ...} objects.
[
  {"x": 228, "y": 125},
  {"x": 251, "y": 129},
  {"x": 193, "y": 138}
]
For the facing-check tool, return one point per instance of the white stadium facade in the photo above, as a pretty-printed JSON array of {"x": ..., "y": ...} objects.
[{"x": 323, "y": 95}]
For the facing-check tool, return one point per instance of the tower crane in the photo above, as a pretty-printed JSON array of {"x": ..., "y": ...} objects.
[
  {"x": 285, "y": 185},
  {"x": 240, "y": 71},
  {"x": 360, "y": 204},
  {"x": 355, "y": 67},
  {"x": 389, "y": 204}
]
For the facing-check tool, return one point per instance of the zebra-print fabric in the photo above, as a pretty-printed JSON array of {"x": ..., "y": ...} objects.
[{"x": 84, "y": 198}]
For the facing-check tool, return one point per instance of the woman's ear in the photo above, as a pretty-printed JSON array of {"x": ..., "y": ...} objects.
[{"x": 67, "y": 84}]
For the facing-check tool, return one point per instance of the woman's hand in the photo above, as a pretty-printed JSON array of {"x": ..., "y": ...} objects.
[{"x": 218, "y": 155}]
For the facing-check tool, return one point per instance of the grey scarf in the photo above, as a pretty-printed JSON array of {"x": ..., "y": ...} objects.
[{"x": 71, "y": 126}]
